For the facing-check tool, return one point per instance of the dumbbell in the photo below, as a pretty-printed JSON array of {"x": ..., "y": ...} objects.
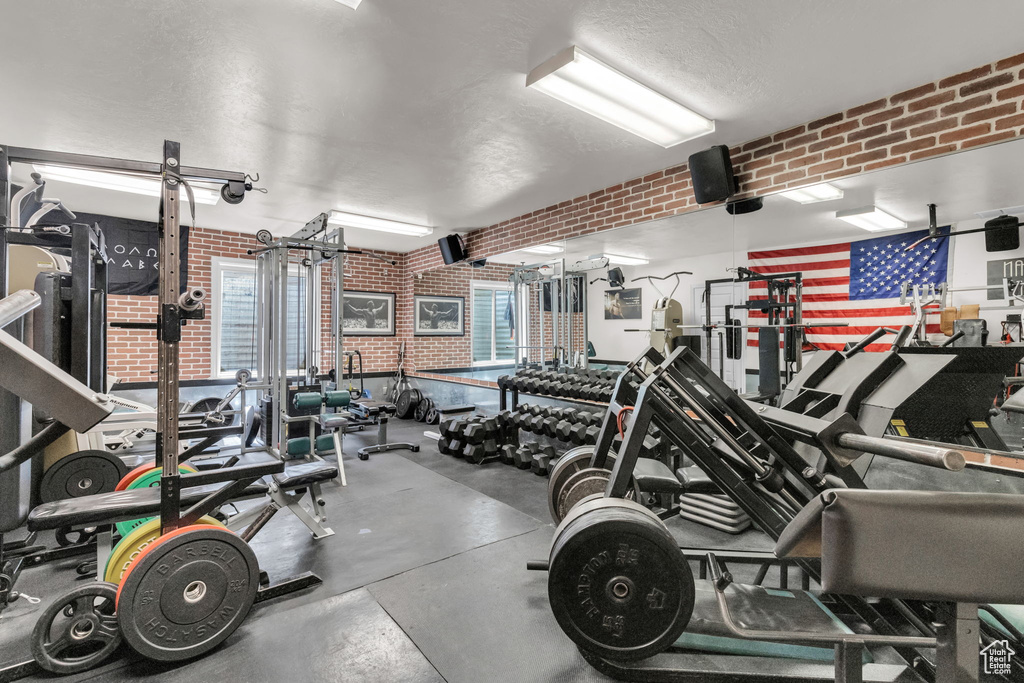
[
  {"x": 549, "y": 424},
  {"x": 474, "y": 434},
  {"x": 543, "y": 460},
  {"x": 563, "y": 430},
  {"x": 523, "y": 458},
  {"x": 507, "y": 453},
  {"x": 536, "y": 424},
  {"x": 583, "y": 435}
]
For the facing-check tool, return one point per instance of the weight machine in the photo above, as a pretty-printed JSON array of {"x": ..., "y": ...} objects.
[
  {"x": 182, "y": 502},
  {"x": 560, "y": 293},
  {"x": 622, "y": 589},
  {"x": 667, "y": 315}
]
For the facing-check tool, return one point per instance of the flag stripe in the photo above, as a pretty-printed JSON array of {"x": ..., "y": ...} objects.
[{"x": 852, "y": 282}]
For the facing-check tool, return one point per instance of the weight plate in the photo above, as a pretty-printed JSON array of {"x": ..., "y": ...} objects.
[
  {"x": 571, "y": 462},
  {"x": 617, "y": 583},
  {"x": 208, "y": 405},
  {"x": 81, "y": 474},
  {"x": 433, "y": 416},
  {"x": 404, "y": 406},
  {"x": 133, "y": 475},
  {"x": 584, "y": 483},
  {"x": 187, "y": 592},
  {"x": 78, "y": 630},
  {"x": 129, "y": 547},
  {"x": 146, "y": 479},
  {"x": 420, "y": 413},
  {"x": 418, "y": 395},
  {"x": 67, "y": 535}
]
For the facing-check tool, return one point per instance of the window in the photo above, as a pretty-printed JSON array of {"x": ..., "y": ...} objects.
[
  {"x": 234, "y": 318},
  {"x": 493, "y": 336}
]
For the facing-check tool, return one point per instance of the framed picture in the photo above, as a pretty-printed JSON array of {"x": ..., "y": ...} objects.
[
  {"x": 368, "y": 314},
  {"x": 623, "y": 304},
  {"x": 439, "y": 316}
]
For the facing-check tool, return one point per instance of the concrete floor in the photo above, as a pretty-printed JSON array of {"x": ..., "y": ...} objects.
[{"x": 424, "y": 580}]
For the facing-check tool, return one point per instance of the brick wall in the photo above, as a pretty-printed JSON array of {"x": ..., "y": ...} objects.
[
  {"x": 447, "y": 352},
  {"x": 977, "y": 107},
  {"x": 132, "y": 353}
]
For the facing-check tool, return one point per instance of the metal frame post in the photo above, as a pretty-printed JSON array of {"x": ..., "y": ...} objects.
[{"x": 169, "y": 331}]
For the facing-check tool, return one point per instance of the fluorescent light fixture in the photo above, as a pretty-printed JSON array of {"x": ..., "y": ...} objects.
[
  {"x": 351, "y": 220},
  {"x": 871, "y": 218},
  {"x": 543, "y": 249},
  {"x": 624, "y": 260},
  {"x": 136, "y": 184},
  {"x": 354, "y": 4},
  {"x": 822, "y": 192},
  {"x": 578, "y": 79}
]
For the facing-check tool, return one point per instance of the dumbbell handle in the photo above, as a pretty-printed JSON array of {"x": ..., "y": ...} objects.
[{"x": 932, "y": 456}]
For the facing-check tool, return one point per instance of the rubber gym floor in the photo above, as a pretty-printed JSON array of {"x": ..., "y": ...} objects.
[{"x": 424, "y": 580}]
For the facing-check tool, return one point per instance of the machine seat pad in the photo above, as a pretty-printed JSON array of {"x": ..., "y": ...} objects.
[
  {"x": 333, "y": 420},
  {"x": 925, "y": 545},
  {"x": 652, "y": 476},
  {"x": 693, "y": 480},
  {"x": 117, "y": 506},
  {"x": 305, "y": 473}
]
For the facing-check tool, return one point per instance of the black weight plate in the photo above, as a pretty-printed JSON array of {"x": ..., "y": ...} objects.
[
  {"x": 405, "y": 405},
  {"x": 78, "y": 630},
  {"x": 617, "y": 583},
  {"x": 81, "y": 474},
  {"x": 573, "y": 461},
  {"x": 433, "y": 416},
  {"x": 421, "y": 410},
  {"x": 206, "y": 405},
  {"x": 186, "y": 593}
]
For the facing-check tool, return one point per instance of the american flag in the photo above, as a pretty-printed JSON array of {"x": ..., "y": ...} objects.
[{"x": 855, "y": 282}]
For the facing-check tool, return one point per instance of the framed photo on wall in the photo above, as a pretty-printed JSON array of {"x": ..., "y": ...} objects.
[
  {"x": 368, "y": 314},
  {"x": 623, "y": 304},
  {"x": 439, "y": 316}
]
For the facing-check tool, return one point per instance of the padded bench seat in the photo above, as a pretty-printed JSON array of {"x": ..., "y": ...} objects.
[
  {"x": 694, "y": 480},
  {"x": 652, "y": 476},
  {"x": 304, "y": 474},
  {"x": 118, "y": 506}
]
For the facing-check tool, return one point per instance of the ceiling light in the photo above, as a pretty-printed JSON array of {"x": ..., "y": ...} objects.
[
  {"x": 871, "y": 218},
  {"x": 351, "y": 220},
  {"x": 578, "y": 79},
  {"x": 822, "y": 192},
  {"x": 623, "y": 260},
  {"x": 543, "y": 249},
  {"x": 351, "y": 3},
  {"x": 136, "y": 184}
]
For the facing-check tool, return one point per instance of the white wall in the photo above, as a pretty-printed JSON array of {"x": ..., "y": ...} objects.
[
  {"x": 608, "y": 336},
  {"x": 967, "y": 268}
]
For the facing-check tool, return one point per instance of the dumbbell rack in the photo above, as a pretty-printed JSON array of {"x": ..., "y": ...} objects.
[{"x": 577, "y": 384}]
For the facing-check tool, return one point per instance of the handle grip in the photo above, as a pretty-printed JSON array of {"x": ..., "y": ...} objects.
[{"x": 932, "y": 456}]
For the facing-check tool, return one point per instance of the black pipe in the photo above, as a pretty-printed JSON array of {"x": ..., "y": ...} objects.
[{"x": 33, "y": 446}]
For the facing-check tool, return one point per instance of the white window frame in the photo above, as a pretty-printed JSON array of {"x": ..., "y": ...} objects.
[
  {"x": 493, "y": 286},
  {"x": 218, "y": 266}
]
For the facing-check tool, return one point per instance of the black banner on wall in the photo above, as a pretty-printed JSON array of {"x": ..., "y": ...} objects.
[{"x": 132, "y": 248}]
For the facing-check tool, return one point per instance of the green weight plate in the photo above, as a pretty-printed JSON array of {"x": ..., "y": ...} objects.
[
  {"x": 147, "y": 480},
  {"x": 186, "y": 593}
]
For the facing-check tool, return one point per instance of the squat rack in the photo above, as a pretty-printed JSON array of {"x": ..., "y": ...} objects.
[{"x": 174, "y": 307}]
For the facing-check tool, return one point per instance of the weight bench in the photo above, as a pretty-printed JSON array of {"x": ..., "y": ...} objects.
[
  {"x": 378, "y": 412},
  {"x": 286, "y": 490},
  {"x": 961, "y": 549},
  {"x": 201, "y": 492}
]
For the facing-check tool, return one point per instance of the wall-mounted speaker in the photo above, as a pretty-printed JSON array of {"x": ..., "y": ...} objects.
[
  {"x": 711, "y": 174},
  {"x": 1002, "y": 233},
  {"x": 453, "y": 249}
]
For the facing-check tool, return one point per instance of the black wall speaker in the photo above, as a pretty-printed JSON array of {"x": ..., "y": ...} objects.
[
  {"x": 453, "y": 249},
  {"x": 1002, "y": 234},
  {"x": 711, "y": 172}
]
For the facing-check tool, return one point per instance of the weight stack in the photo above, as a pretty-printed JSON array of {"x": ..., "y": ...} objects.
[{"x": 713, "y": 510}]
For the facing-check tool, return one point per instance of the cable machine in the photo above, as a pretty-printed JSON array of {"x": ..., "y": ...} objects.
[{"x": 562, "y": 292}]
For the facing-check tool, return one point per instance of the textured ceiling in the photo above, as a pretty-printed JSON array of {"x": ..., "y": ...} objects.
[{"x": 417, "y": 110}]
